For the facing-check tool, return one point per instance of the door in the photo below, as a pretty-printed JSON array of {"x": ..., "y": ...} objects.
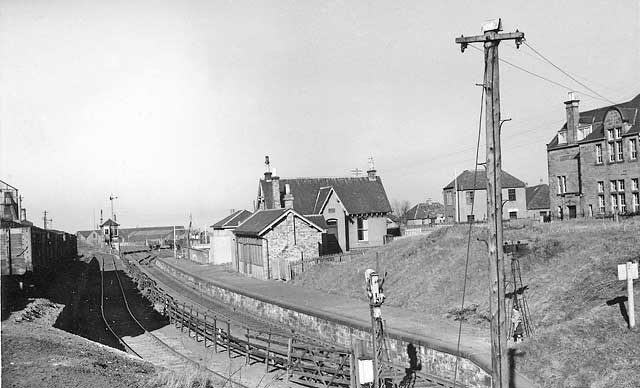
[
  {"x": 572, "y": 211},
  {"x": 330, "y": 243}
]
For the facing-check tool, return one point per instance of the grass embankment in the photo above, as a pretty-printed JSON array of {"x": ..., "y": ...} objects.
[{"x": 571, "y": 270}]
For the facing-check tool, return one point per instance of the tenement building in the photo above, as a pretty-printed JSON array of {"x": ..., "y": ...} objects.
[{"x": 593, "y": 161}]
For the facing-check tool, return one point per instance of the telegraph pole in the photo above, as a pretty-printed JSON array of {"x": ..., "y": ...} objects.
[
  {"x": 45, "y": 220},
  {"x": 491, "y": 38}
]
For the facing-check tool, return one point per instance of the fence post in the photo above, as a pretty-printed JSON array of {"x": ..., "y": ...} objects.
[
  {"x": 289, "y": 346},
  {"x": 266, "y": 359},
  {"x": 205, "y": 330},
  {"x": 247, "y": 346},
  {"x": 197, "y": 326},
  {"x": 229, "y": 338},
  {"x": 215, "y": 335}
]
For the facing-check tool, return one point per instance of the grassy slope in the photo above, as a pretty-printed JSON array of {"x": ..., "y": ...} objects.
[{"x": 571, "y": 271}]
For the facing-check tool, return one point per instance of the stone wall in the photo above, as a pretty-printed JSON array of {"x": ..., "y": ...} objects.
[{"x": 337, "y": 330}]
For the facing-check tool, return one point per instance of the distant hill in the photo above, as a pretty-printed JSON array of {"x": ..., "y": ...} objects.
[{"x": 570, "y": 267}]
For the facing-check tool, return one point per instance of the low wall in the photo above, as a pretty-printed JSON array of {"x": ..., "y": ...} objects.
[{"x": 337, "y": 330}]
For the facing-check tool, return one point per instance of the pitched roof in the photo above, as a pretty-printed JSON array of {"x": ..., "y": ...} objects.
[
  {"x": 86, "y": 233},
  {"x": 359, "y": 195},
  {"x": 425, "y": 210},
  {"x": 538, "y": 197},
  {"x": 232, "y": 220},
  {"x": 110, "y": 222},
  {"x": 466, "y": 178},
  {"x": 261, "y": 221},
  {"x": 629, "y": 110}
]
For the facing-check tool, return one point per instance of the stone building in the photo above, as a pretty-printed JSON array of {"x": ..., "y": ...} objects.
[
  {"x": 461, "y": 195},
  {"x": 538, "y": 202},
  {"x": 269, "y": 240},
  {"x": 223, "y": 242},
  {"x": 355, "y": 209},
  {"x": 593, "y": 161}
]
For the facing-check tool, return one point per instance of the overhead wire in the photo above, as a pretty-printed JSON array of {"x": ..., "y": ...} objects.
[
  {"x": 567, "y": 73},
  {"x": 466, "y": 265},
  {"x": 544, "y": 78}
]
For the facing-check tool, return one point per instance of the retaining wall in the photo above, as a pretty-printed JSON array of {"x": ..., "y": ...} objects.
[{"x": 337, "y": 329}]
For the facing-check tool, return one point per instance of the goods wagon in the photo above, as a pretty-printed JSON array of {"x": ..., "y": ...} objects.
[{"x": 25, "y": 248}]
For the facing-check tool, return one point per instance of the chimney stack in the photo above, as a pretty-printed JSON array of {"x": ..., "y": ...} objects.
[
  {"x": 573, "y": 118},
  {"x": 371, "y": 172},
  {"x": 275, "y": 187},
  {"x": 288, "y": 197}
]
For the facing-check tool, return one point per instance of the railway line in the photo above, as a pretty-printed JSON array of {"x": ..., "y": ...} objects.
[
  {"x": 306, "y": 360},
  {"x": 145, "y": 344}
]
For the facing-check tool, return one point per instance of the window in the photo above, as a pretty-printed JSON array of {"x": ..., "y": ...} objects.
[
  {"x": 560, "y": 212},
  {"x": 634, "y": 184},
  {"x": 363, "y": 229},
  {"x": 614, "y": 202},
  {"x": 332, "y": 210},
  {"x": 621, "y": 185},
  {"x": 620, "y": 148},
  {"x": 601, "y": 187},
  {"x": 512, "y": 194},
  {"x": 633, "y": 148},
  {"x": 612, "y": 156},
  {"x": 636, "y": 202},
  {"x": 590, "y": 210},
  {"x": 609, "y": 134},
  {"x": 469, "y": 197},
  {"x": 612, "y": 186},
  {"x": 470, "y": 218},
  {"x": 601, "y": 203},
  {"x": 617, "y": 133},
  {"x": 562, "y": 184},
  {"x": 562, "y": 137},
  {"x": 513, "y": 215},
  {"x": 623, "y": 203},
  {"x": 598, "y": 153}
]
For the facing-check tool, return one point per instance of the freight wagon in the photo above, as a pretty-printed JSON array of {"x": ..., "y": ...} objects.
[{"x": 27, "y": 248}]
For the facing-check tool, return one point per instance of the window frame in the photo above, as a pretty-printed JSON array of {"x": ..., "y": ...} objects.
[
  {"x": 599, "y": 159},
  {"x": 611, "y": 151},
  {"x": 600, "y": 186},
  {"x": 633, "y": 149},
  {"x": 362, "y": 225},
  {"x": 619, "y": 151},
  {"x": 602, "y": 206},
  {"x": 509, "y": 196}
]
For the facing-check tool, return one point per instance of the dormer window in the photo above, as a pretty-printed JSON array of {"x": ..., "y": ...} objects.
[
  {"x": 562, "y": 137},
  {"x": 583, "y": 132}
]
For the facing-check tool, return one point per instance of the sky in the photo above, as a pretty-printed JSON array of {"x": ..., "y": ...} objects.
[{"x": 172, "y": 105}]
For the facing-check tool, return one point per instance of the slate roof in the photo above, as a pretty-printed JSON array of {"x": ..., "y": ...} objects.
[
  {"x": 538, "y": 197},
  {"x": 359, "y": 195},
  {"x": 260, "y": 220},
  {"x": 110, "y": 222},
  {"x": 465, "y": 181},
  {"x": 86, "y": 233},
  {"x": 630, "y": 111},
  {"x": 232, "y": 220},
  {"x": 423, "y": 211}
]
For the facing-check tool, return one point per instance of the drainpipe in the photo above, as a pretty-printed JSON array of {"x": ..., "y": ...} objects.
[{"x": 267, "y": 258}]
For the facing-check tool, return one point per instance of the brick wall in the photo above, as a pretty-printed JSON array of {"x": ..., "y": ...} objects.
[{"x": 337, "y": 330}]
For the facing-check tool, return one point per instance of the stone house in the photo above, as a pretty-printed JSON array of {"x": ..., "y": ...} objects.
[
  {"x": 270, "y": 239},
  {"x": 461, "y": 194},
  {"x": 538, "y": 202},
  {"x": 593, "y": 161},
  {"x": 223, "y": 242},
  {"x": 355, "y": 209}
]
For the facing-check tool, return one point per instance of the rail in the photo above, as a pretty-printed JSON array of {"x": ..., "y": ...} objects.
[
  {"x": 304, "y": 361},
  {"x": 157, "y": 340}
]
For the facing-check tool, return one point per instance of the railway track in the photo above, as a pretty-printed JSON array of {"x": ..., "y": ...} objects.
[
  {"x": 146, "y": 345},
  {"x": 307, "y": 360}
]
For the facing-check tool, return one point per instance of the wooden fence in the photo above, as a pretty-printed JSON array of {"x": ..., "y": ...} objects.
[{"x": 304, "y": 362}]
